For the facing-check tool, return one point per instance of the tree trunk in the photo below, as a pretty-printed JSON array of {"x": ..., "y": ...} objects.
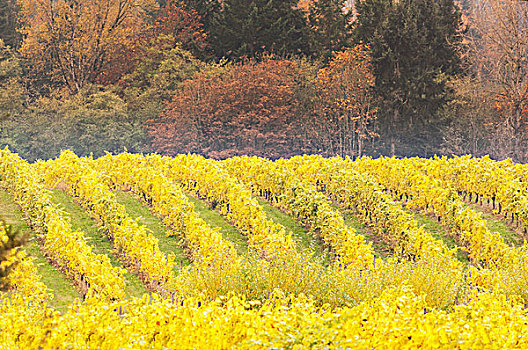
[{"x": 391, "y": 132}]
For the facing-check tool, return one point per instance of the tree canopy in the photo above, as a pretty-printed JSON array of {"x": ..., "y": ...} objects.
[{"x": 414, "y": 52}]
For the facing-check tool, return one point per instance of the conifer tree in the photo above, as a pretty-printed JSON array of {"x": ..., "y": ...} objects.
[
  {"x": 246, "y": 28},
  {"x": 414, "y": 52},
  {"x": 331, "y": 26},
  {"x": 8, "y": 23}
]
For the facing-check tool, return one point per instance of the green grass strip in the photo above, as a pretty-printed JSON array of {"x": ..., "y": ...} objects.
[
  {"x": 64, "y": 292},
  {"x": 136, "y": 209},
  {"x": 438, "y": 232},
  {"x": 96, "y": 239},
  {"x": 494, "y": 224},
  {"x": 381, "y": 248},
  {"x": 215, "y": 219},
  {"x": 303, "y": 238}
]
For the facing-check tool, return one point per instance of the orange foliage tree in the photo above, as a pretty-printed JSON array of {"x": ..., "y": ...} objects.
[
  {"x": 345, "y": 106},
  {"x": 499, "y": 53},
  {"x": 72, "y": 40},
  {"x": 250, "y": 107},
  {"x": 175, "y": 26},
  {"x": 183, "y": 24}
]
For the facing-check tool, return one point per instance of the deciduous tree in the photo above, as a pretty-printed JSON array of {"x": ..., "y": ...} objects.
[
  {"x": 345, "y": 104},
  {"x": 499, "y": 43},
  {"x": 75, "y": 38},
  {"x": 245, "y": 108},
  {"x": 174, "y": 26},
  {"x": 183, "y": 24}
]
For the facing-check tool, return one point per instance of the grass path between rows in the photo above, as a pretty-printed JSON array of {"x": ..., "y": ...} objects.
[
  {"x": 304, "y": 239},
  {"x": 63, "y": 290},
  {"x": 500, "y": 224},
  {"x": 81, "y": 220},
  {"x": 439, "y": 232},
  {"x": 381, "y": 248},
  {"x": 215, "y": 219},
  {"x": 137, "y": 210}
]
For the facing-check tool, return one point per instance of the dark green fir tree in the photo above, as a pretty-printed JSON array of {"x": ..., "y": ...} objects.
[
  {"x": 247, "y": 28},
  {"x": 9, "y": 22},
  {"x": 414, "y": 52},
  {"x": 331, "y": 26}
]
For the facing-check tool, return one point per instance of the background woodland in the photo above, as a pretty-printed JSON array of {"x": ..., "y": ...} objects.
[{"x": 271, "y": 78}]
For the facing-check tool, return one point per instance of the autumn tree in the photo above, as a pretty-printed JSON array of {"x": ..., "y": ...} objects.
[
  {"x": 75, "y": 38},
  {"x": 499, "y": 54},
  {"x": 471, "y": 117},
  {"x": 345, "y": 104},
  {"x": 249, "y": 107},
  {"x": 173, "y": 26},
  {"x": 182, "y": 22}
]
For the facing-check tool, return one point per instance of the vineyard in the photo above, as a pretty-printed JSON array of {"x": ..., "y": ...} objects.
[{"x": 312, "y": 252}]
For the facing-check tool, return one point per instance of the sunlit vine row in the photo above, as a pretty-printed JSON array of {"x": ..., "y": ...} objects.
[
  {"x": 397, "y": 319},
  {"x": 92, "y": 273},
  {"x": 23, "y": 277},
  {"x": 303, "y": 201},
  {"x": 136, "y": 247}
]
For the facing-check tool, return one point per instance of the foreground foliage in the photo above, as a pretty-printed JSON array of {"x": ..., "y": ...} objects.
[{"x": 275, "y": 295}]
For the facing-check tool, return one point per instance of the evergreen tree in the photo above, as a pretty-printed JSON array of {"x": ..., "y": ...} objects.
[
  {"x": 331, "y": 26},
  {"x": 8, "y": 23},
  {"x": 413, "y": 45},
  {"x": 246, "y": 28},
  {"x": 206, "y": 9}
]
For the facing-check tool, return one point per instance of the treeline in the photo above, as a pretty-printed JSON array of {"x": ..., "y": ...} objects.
[{"x": 271, "y": 78}]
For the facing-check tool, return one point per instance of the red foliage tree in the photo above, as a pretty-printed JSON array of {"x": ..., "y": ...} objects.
[
  {"x": 175, "y": 24},
  {"x": 182, "y": 24},
  {"x": 245, "y": 108}
]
